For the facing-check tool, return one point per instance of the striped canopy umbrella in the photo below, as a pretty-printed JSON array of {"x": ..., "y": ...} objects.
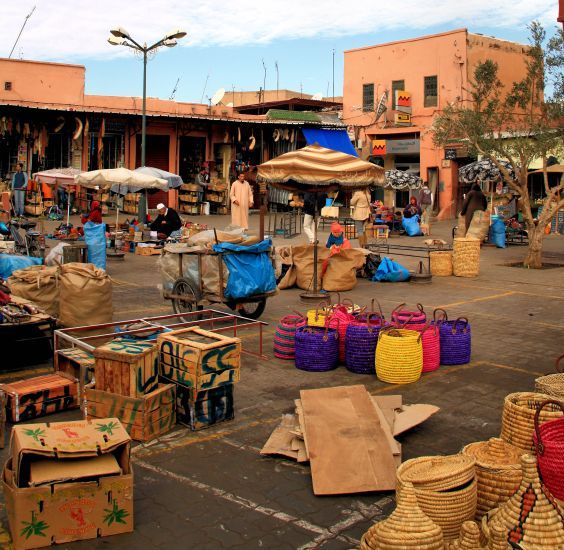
[{"x": 315, "y": 167}]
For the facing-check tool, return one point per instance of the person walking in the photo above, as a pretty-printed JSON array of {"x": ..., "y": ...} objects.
[
  {"x": 360, "y": 203},
  {"x": 19, "y": 186},
  {"x": 241, "y": 196},
  {"x": 426, "y": 202},
  {"x": 475, "y": 200},
  {"x": 312, "y": 201}
]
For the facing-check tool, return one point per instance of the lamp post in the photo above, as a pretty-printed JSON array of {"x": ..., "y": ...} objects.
[{"x": 120, "y": 37}]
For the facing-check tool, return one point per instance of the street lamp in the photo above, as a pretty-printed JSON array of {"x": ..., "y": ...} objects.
[{"x": 120, "y": 37}]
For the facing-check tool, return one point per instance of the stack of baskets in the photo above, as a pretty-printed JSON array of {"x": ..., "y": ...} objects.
[
  {"x": 445, "y": 487},
  {"x": 466, "y": 257},
  {"x": 399, "y": 356},
  {"x": 284, "y": 336},
  {"x": 317, "y": 349},
  {"x": 552, "y": 384},
  {"x": 441, "y": 263},
  {"x": 498, "y": 472},
  {"x": 456, "y": 341}
]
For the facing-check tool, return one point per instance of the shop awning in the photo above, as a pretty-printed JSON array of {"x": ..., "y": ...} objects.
[{"x": 337, "y": 140}]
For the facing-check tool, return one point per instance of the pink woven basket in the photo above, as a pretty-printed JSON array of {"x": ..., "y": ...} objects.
[
  {"x": 339, "y": 319},
  {"x": 410, "y": 320},
  {"x": 431, "y": 340}
]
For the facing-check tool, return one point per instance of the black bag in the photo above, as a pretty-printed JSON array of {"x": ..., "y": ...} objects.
[{"x": 371, "y": 265}]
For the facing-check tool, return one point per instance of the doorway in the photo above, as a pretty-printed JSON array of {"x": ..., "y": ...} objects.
[
  {"x": 156, "y": 156},
  {"x": 433, "y": 181}
]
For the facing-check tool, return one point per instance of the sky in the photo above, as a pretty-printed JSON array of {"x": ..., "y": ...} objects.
[{"x": 228, "y": 42}]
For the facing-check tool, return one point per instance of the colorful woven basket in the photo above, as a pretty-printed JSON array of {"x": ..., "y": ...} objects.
[
  {"x": 407, "y": 527},
  {"x": 498, "y": 471},
  {"x": 518, "y": 419},
  {"x": 411, "y": 320},
  {"x": 318, "y": 316},
  {"x": 431, "y": 342},
  {"x": 441, "y": 263},
  {"x": 339, "y": 319},
  {"x": 469, "y": 538},
  {"x": 399, "y": 356},
  {"x": 456, "y": 341},
  {"x": 284, "y": 336},
  {"x": 317, "y": 349},
  {"x": 361, "y": 340},
  {"x": 549, "y": 445},
  {"x": 552, "y": 384},
  {"x": 466, "y": 257}
]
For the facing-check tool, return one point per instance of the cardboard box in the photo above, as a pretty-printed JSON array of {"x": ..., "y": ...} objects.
[
  {"x": 144, "y": 418},
  {"x": 69, "y": 500},
  {"x": 147, "y": 251},
  {"x": 209, "y": 407},
  {"x": 127, "y": 367}
]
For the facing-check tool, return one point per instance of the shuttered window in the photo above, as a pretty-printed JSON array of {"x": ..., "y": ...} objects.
[
  {"x": 431, "y": 92},
  {"x": 368, "y": 97}
]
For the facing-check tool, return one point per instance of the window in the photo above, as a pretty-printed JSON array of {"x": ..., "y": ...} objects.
[
  {"x": 7, "y": 86},
  {"x": 396, "y": 85},
  {"x": 430, "y": 91},
  {"x": 368, "y": 97}
]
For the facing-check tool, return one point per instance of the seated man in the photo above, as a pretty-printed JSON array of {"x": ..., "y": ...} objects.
[{"x": 167, "y": 221}]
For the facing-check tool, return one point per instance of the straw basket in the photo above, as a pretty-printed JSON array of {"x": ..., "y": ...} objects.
[
  {"x": 412, "y": 320},
  {"x": 407, "y": 527},
  {"x": 431, "y": 342},
  {"x": 284, "y": 336},
  {"x": 361, "y": 339},
  {"x": 530, "y": 518},
  {"x": 456, "y": 341},
  {"x": 549, "y": 444},
  {"x": 518, "y": 419},
  {"x": 399, "y": 356},
  {"x": 498, "y": 472},
  {"x": 466, "y": 257},
  {"x": 317, "y": 317},
  {"x": 469, "y": 538},
  {"x": 445, "y": 487},
  {"x": 441, "y": 263},
  {"x": 317, "y": 349},
  {"x": 552, "y": 384}
]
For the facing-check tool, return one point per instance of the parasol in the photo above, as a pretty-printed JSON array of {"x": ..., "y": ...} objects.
[
  {"x": 401, "y": 179},
  {"x": 172, "y": 180},
  {"x": 484, "y": 171},
  {"x": 57, "y": 176}
]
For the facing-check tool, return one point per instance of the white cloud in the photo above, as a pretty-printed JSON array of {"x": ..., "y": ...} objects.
[{"x": 66, "y": 30}]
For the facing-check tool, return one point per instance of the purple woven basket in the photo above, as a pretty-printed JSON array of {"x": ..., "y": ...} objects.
[
  {"x": 456, "y": 342},
  {"x": 360, "y": 343},
  {"x": 317, "y": 349}
]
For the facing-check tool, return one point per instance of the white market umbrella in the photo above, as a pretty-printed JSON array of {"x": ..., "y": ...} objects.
[
  {"x": 173, "y": 180},
  {"x": 58, "y": 176}
]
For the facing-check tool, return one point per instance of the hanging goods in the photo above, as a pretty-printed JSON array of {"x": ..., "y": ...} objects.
[
  {"x": 549, "y": 446},
  {"x": 318, "y": 316},
  {"x": 399, "y": 356},
  {"x": 412, "y": 320},
  {"x": 552, "y": 384},
  {"x": 340, "y": 318},
  {"x": 498, "y": 471},
  {"x": 518, "y": 419},
  {"x": 466, "y": 257},
  {"x": 284, "y": 336},
  {"x": 445, "y": 487},
  {"x": 431, "y": 342},
  {"x": 456, "y": 341},
  {"x": 407, "y": 527},
  {"x": 530, "y": 518},
  {"x": 441, "y": 263},
  {"x": 317, "y": 349}
]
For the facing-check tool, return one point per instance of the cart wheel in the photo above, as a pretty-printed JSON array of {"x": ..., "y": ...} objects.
[
  {"x": 252, "y": 310},
  {"x": 183, "y": 287}
]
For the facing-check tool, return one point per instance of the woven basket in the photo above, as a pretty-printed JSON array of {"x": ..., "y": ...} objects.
[
  {"x": 399, "y": 356},
  {"x": 360, "y": 342},
  {"x": 407, "y": 527},
  {"x": 441, "y": 263},
  {"x": 549, "y": 445},
  {"x": 339, "y": 319},
  {"x": 518, "y": 419},
  {"x": 466, "y": 257},
  {"x": 552, "y": 384},
  {"x": 431, "y": 342},
  {"x": 317, "y": 317},
  {"x": 456, "y": 341},
  {"x": 445, "y": 487},
  {"x": 469, "y": 538},
  {"x": 284, "y": 336},
  {"x": 498, "y": 471},
  {"x": 317, "y": 349},
  {"x": 530, "y": 518},
  {"x": 411, "y": 320}
]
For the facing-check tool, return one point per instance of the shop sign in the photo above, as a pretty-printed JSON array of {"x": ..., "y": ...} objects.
[
  {"x": 379, "y": 147},
  {"x": 403, "y": 101},
  {"x": 402, "y": 146},
  {"x": 402, "y": 119},
  {"x": 450, "y": 154}
]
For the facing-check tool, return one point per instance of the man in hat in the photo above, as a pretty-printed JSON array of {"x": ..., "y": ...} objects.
[{"x": 167, "y": 221}]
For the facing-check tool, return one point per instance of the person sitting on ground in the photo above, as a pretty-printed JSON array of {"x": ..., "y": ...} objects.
[
  {"x": 166, "y": 222},
  {"x": 412, "y": 209},
  {"x": 336, "y": 238},
  {"x": 95, "y": 215}
]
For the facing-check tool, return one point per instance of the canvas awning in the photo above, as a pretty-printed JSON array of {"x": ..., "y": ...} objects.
[
  {"x": 55, "y": 176},
  {"x": 121, "y": 176},
  {"x": 337, "y": 140}
]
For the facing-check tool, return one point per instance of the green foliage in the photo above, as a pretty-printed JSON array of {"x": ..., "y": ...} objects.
[
  {"x": 33, "y": 527},
  {"x": 116, "y": 514},
  {"x": 107, "y": 428},
  {"x": 35, "y": 434}
]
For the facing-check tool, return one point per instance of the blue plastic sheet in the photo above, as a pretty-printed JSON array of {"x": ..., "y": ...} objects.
[
  {"x": 95, "y": 239},
  {"x": 411, "y": 226},
  {"x": 391, "y": 271},
  {"x": 250, "y": 269},
  {"x": 338, "y": 140},
  {"x": 497, "y": 232},
  {"x": 10, "y": 263}
]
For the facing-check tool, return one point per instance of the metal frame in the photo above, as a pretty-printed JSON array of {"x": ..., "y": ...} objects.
[{"x": 422, "y": 252}]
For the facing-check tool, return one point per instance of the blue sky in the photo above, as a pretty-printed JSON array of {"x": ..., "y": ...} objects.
[{"x": 229, "y": 40}]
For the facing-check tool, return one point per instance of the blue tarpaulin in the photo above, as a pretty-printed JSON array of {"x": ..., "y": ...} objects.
[
  {"x": 250, "y": 269},
  {"x": 338, "y": 140}
]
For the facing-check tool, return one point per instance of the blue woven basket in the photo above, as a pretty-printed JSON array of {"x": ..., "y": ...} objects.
[
  {"x": 317, "y": 349},
  {"x": 360, "y": 343},
  {"x": 456, "y": 342}
]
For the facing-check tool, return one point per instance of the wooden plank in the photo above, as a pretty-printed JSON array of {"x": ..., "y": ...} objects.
[
  {"x": 346, "y": 444},
  {"x": 394, "y": 445}
]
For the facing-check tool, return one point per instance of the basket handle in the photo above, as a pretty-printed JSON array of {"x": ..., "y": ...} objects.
[
  {"x": 444, "y": 316},
  {"x": 397, "y": 310},
  {"x": 323, "y": 304},
  {"x": 540, "y": 444},
  {"x": 427, "y": 327},
  {"x": 421, "y": 308},
  {"x": 293, "y": 319},
  {"x": 407, "y": 321},
  {"x": 379, "y": 308},
  {"x": 326, "y": 335},
  {"x": 456, "y": 323},
  {"x": 557, "y": 366}
]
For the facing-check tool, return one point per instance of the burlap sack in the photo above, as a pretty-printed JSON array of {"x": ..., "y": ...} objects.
[
  {"x": 341, "y": 270},
  {"x": 285, "y": 256},
  {"x": 85, "y": 295},
  {"x": 303, "y": 265},
  {"x": 39, "y": 284},
  {"x": 479, "y": 226}
]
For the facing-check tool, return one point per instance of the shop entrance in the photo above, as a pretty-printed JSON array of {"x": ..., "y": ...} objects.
[
  {"x": 192, "y": 155},
  {"x": 156, "y": 156}
]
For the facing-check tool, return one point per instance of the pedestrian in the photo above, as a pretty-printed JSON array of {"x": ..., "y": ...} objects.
[
  {"x": 241, "y": 196},
  {"x": 19, "y": 186},
  {"x": 426, "y": 201},
  {"x": 360, "y": 203},
  {"x": 95, "y": 215},
  {"x": 312, "y": 202},
  {"x": 166, "y": 222},
  {"x": 475, "y": 201},
  {"x": 412, "y": 209}
]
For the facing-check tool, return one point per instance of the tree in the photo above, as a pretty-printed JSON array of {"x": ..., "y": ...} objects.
[{"x": 518, "y": 125}]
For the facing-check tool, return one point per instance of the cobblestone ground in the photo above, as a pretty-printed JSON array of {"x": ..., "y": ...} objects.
[{"x": 212, "y": 489}]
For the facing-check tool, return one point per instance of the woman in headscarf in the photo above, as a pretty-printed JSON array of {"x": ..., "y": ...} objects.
[
  {"x": 95, "y": 215},
  {"x": 412, "y": 209},
  {"x": 475, "y": 200}
]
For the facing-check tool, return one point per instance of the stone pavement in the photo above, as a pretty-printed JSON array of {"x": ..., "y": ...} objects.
[{"x": 212, "y": 489}]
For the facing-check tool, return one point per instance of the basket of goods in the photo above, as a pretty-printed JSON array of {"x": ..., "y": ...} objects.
[
  {"x": 456, "y": 341},
  {"x": 412, "y": 320},
  {"x": 340, "y": 318},
  {"x": 469, "y": 538},
  {"x": 399, "y": 356},
  {"x": 284, "y": 336},
  {"x": 441, "y": 263},
  {"x": 466, "y": 257},
  {"x": 318, "y": 316},
  {"x": 406, "y": 527},
  {"x": 530, "y": 518},
  {"x": 317, "y": 349},
  {"x": 549, "y": 446},
  {"x": 552, "y": 384},
  {"x": 498, "y": 472},
  {"x": 445, "y": 487},
  {"x": 518, "y": 418},
  {"x": 431, "y": 342}
]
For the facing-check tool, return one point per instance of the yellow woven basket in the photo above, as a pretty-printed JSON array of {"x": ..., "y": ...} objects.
[
  {"x": 318, "y": 317},
  {"x": 441, "y": 263},
  {"x": 466, "y": 257},
  {"x": 399, "y": 356}
]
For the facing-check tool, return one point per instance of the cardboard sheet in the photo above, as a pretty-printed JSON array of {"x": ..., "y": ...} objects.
[
  {"x": 411, "y": 416},
  {"x": 280, "y": 441}
]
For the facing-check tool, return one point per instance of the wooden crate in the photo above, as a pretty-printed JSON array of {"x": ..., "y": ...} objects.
[
  {"x": 126, "y": 367},
  {"x": 199, "y": 383},
  {"x": 209, "y": 407},
  {"x": 144, "y": 418},
  {"x": 76, "y": 363},
  {"x": 41, "y": 395},
  {"x": 199, "y": 352},
  {"x": 147, "y": 251}
]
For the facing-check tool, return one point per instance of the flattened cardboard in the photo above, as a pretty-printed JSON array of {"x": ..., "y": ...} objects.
[
  {"x": 395, "y": 446},
  {"x": 389, "y": 404},
  {"x": 280, "y": 441},
  {"x": 411, "y": 416}
]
